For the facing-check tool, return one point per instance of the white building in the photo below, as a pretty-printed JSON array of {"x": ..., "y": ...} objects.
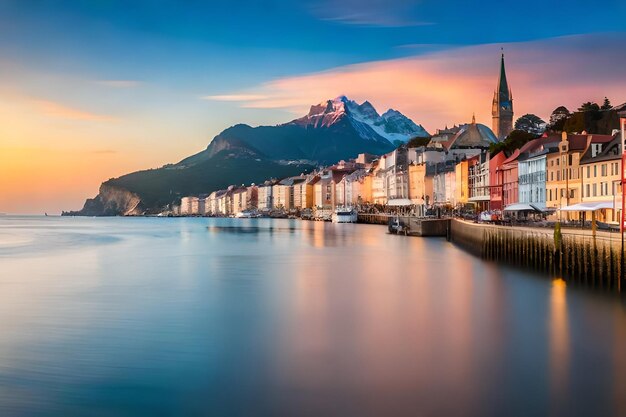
[{"x": 265, "y": 197}]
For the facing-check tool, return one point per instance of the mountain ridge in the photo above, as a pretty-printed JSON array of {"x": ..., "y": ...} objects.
[{"x": 332, "y": 130}]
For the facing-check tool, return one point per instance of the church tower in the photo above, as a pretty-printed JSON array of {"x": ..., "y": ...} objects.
[{"x": 502, "y": 109}]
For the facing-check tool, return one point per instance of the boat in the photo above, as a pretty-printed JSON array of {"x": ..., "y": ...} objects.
[
  {"x": 246, "y": 214},
  {"x": 344, "y": 215},
  {"x": 306, "y": 214}
]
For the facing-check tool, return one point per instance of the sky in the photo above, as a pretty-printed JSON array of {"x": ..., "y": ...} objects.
[{"x": 93, "y": 89}]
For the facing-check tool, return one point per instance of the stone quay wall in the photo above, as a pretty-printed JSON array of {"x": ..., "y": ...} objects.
[{"x": 576, "y": 256}]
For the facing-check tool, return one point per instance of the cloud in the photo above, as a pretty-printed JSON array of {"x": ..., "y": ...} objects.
[
  {"x": 119, "y": 83},
  {"x": 234, "y": 97},
  {"x": 447, "y": 87},
  {"x": 60, "y": 111},
  {"x": 383, "y": 13}
]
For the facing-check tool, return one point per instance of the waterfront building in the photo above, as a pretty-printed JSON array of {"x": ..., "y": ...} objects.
[
  {"x": 325, "y": 188},
  {"x": 425, "y": 155},
  {"x": 197, "y": 206},
  {"x": 239, "y": 200},
  {"x": 496, "y": 200},
  {"x": 324, "y": 193},
  {"x": 354, "y": 187},
  {"x": 252, "y": 197},
  {"x": 378, "y": 189},
  {"x": 601, "y": 177},
  {"x": 391, "y": 176},
  {"x": 222, "y": 204},
  {"x": 461, "y": 189},
  {"x": 211, "y": 204},
  {"x": 340, "y": 193},
  {"x": 359, "y": 188},
  {"x": 444, "y": 184},
  {"x": 502, "y": 106},
  {"x": 478, "y": 181},
  {"x": 186, "y": 205},
  {"x": 510, "y": 179},
  {"x": 265, "y": 197},
  {"x": 282, "y": 193},
  {"x": 420, "y": 186},
  {"x": 532, "y": 170},
  {"x": 303, "y": 192},
  {"x": 563, "y": 169}
]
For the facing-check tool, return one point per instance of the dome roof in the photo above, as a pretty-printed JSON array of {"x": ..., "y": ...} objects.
[{"x": 473, "y": 135}]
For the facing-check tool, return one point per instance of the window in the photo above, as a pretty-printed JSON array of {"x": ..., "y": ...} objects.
[
  {"x": 604, "y": 170},
  {"x": 557, "y": 162},
  {"x": 595, "y": 190},
  {"x": 588, "y": 171},
  {"x": 595, "y": 171}
]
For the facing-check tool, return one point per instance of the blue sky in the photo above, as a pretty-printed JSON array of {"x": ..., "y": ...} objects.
[
  {"x": 215, "y": 42},
  {"x": 118, "y": 86}
]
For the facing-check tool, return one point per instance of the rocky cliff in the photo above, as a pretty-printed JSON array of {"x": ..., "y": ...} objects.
[{"x": 111, "y": 201}]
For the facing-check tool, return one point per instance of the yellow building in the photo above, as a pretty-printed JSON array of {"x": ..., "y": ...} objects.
[
  {"x": 462, "y": 183},
  {"x": 601, "y": 177},
  {"x": 420, "y": 187},
  {"x": 563, "y": 182}
]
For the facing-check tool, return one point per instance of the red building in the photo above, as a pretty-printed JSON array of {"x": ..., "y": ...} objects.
[{"x": 495, "y": 181}]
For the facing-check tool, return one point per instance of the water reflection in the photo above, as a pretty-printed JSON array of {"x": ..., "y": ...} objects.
[
  {"x": 278, "y": 317},
  {"x": 559, "y": 346}
]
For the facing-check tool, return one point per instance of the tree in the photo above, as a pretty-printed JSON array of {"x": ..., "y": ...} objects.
[
  {"x": 558, "y": 118},
  {"x": 589, "y": 106},
  {"x": 606, "y": 105},
  {"x": 417, "y": 141},
  {"x": 515, "y": 140},
  {"x": 531, "y": 123}
]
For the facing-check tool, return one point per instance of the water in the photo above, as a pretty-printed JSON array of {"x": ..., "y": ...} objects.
[{"x": 221, "y": 317}]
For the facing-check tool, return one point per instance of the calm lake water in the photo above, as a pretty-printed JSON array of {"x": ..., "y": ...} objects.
[{"x": 226, "y": 317}]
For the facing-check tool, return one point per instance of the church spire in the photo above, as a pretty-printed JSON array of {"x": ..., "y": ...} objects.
[
  {"x": 503, "y": 86},
  {"x": 502, "y": 107}
]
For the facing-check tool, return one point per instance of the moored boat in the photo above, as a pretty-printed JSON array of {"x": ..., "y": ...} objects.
[{"x": 344, "y": 215}]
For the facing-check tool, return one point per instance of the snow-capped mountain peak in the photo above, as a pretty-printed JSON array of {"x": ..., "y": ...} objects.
[{"x": 392, "y": 126}]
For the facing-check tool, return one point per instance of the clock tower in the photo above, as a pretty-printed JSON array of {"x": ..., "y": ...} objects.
[{"x": 502, "y": 109}]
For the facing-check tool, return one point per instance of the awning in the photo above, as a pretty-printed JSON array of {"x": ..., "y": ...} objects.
[
  {"x": 480, "y": 198},
  {"x": 400, "y": 202},
  {"x": 521, "y": 207},
  {"x": 589, "y": 206}
]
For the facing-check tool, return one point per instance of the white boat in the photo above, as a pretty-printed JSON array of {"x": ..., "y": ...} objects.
[
  {"x": 344, "y": 215},
  {"x": 244, "y": 215}
]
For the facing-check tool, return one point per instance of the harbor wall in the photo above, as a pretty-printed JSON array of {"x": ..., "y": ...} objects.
[{"x": 576, "y": 257}]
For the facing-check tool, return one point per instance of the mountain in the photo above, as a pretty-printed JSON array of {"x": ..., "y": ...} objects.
[
  {"x": 333, "y": 130},
  {"x": 392, "y": 126}
]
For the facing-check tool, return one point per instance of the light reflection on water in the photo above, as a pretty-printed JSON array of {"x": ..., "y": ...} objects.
[{"x": 125, "y": 317}]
